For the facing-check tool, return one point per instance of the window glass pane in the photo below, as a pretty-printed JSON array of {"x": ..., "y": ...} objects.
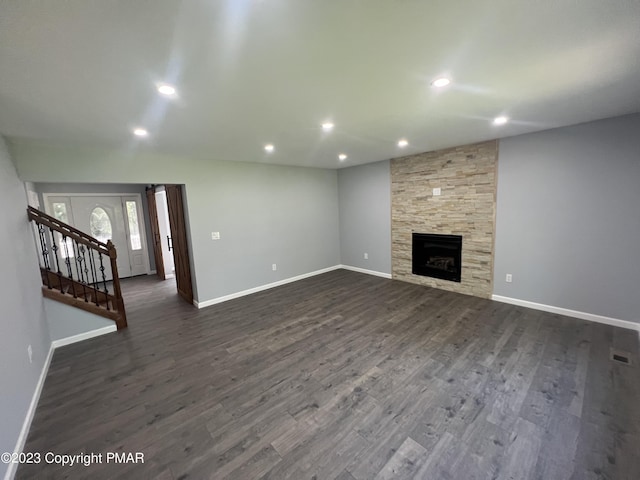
[
  {"x": 60, "y": 211},
  {"x": 100, "y": 225},
  {"x": 134, "y": 229},
  {"x": 66, "y": 251}
]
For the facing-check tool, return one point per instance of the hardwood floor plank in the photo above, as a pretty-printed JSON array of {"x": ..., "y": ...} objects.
[
  {"x": 522, "y": 453},
  {"x": 405, "y": 463},
  {"x": 345, "y": 376},
  {"x": 256, "y": 466}
]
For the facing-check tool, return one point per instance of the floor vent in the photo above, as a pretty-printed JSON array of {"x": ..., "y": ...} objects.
[{"x": 621, "y": 357}]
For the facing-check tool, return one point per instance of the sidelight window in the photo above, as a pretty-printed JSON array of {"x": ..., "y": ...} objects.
[
  {"x": 65, "y": 246},
  {"x": 134, "y": 228}
]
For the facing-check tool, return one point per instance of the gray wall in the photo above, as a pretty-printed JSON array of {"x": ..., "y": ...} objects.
[
  {"x": 92, "y": 188},
  {"x": 66, "y": 321},
  {"x": 576, "y": 185},
  {"x": 568, "y": 218},
  {"x": 265, "y": 214},
  {"x": 22, "y": 321},
  {"x": 365, "y": 216}
]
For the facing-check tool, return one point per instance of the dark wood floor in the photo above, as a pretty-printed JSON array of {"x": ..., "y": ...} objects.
[{"x": 343, "y": 376}]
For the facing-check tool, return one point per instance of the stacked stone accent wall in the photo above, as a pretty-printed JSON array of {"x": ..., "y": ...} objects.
[{"x": 467, "y": 178}]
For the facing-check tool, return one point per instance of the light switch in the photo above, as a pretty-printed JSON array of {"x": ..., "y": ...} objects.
[
  {"x": 215, "y": 235},
  {"x": 436, "y": 192}
]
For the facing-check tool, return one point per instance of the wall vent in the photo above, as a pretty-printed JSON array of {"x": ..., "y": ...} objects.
[{"x": 621, "y": 356}]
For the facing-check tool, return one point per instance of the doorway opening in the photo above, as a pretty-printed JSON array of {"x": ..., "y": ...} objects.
[
  {"x": 169, "y": 231},
  {"x": 164, "y": 229},
  {"x": 146, "y": 223}
]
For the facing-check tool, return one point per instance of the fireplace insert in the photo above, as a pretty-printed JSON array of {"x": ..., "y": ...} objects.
[{"x": 438, "y": 256}]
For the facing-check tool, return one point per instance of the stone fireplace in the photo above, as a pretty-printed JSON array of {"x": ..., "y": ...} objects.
[{"x": 448, "y": 192}]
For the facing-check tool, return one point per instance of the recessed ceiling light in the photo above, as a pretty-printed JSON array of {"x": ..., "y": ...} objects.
[
  {"x": 327, "y": 126},
  {"x": 441, "y": 82},
  {"x": 166, "y": 89},
  {"x": 500, "y": 120},
  {"x": 140, "y": 132},
  {"x": 269, "y": 148},
  {"x": 342, "y": 157},
  {"x": 403, "y": 143}
]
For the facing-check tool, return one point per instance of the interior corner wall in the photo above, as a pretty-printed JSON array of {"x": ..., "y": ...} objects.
[
  {"x": 66, "y": 321},
  {"x": 266, "y": 214},
  {"x": 22, "y": 321},
  {"x": 190, "y": 239},
  {"x": 365, "y": 216},
  {"x": 568, "y": 218}
]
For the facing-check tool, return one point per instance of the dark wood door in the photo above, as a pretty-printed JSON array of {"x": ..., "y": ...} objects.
[
  {"x": 179, "y": 239},
  {"x": 155, "y": 231}
]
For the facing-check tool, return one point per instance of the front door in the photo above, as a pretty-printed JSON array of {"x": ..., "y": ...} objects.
[
  {"x": 115, "y": 218},
  {"x": 103, "y": 218}
]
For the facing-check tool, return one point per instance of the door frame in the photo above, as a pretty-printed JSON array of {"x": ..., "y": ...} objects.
[
  {"x": 152, "y": 207},
  {"x": 141, "y": 215},
  {"x": 181, "y": 248}
]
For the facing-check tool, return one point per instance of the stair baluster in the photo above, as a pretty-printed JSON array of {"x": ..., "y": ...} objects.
[
  {"x": 78, "y": 263},
  {"x": 94, "y": 280},
  {"x": 45, "y": 253},
  {"x": 54, "y": 249},
  {"x": 67, "y": 262}
]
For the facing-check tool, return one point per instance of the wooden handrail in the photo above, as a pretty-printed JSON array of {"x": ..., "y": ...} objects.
[
  {"x": 71, "y": 232},
  {"x": 116, "y": 310}
]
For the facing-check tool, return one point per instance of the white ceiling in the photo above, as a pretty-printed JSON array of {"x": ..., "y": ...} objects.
[{"x": 251, "y": 72}]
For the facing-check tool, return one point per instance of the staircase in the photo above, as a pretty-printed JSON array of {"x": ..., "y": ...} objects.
[{"x": 77, "y": 269}]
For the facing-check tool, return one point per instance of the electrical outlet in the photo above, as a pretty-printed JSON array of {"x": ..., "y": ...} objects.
[
  {"x": 508, "y": 278},
  {"x": 30, "y": 353},
  {"x": 215, "y": 235},
  {"x": 437, "y": 191},
  {"x": 366, "y": 256},
  {"x": 274, "y": 267}
]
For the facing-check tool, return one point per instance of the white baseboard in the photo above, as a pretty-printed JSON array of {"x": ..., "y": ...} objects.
[
  {"x": 84, "y": 336},
  {"x": 26, "y": 425},
  {"x": 616, "y": 322},
  {"x": 22, "y": 438},
  {"x": 208, "y": 303},
  {"x": 213, "y": 301},
  {"x": 368, "y": 272}
]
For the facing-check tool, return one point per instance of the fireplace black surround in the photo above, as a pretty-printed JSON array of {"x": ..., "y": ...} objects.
[{"x": 438, "y": 256}]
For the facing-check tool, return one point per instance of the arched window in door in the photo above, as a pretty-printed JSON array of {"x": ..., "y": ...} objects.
[{"x": 100, "y": 224}]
